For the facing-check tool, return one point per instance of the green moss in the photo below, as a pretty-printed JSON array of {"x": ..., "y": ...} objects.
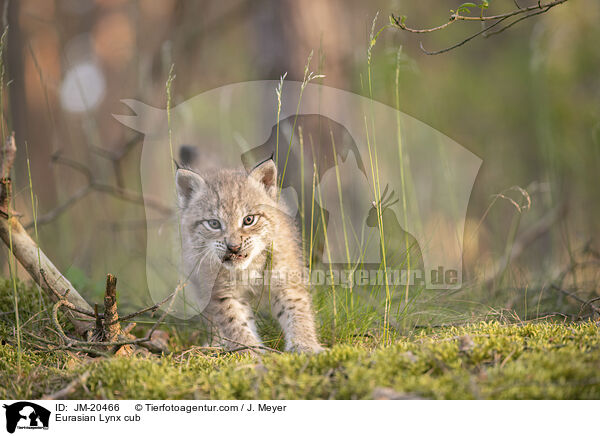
[{"x": 483, "y": 360}]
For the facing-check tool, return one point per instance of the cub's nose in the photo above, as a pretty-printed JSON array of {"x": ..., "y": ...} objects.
[{"x": 234, "y": 248}]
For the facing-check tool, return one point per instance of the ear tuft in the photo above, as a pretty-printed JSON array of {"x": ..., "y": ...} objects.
[
  {"x": 187, "y": 184},
  {"x": 266, "y": 174}
]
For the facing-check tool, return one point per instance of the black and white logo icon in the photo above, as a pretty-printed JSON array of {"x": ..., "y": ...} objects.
[{"x": 26, "y": 415}]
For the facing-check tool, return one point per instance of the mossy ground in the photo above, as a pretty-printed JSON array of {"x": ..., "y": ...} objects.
[{"x": 538, "y": 360}]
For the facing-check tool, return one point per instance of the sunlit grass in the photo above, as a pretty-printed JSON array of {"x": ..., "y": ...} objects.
[{"x": 484, "y": 360}]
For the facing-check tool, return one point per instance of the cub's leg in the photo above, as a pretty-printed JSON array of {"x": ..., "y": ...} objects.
[
  {"x": 234, "y": 323},
  {"x": 292, "y": 307}
]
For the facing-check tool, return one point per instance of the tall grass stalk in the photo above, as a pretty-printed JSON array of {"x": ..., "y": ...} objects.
[
  {"x": 34, "y": 215},
  {"x": 402, "y": 176},
  {"x": 327, "y": 248},
  {"x": 278, "y": 92},
  {"x": 2, "y": 74},
  {"x": 169, "y": 91},
  {"x": 312, "y": 221},
  {"x": 339, "y": 186},
  {"x": 302, "y": 191},
  {"x": 375, "y": 177},
  {"x": 308, "y": 77},
  {"x": 12, "y": 269}
]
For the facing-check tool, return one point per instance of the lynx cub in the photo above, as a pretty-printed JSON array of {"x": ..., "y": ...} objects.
[{"x": 231, "y": 223}]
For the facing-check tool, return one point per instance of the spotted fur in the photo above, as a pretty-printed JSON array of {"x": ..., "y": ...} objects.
[{"x": 220, "y": 240}]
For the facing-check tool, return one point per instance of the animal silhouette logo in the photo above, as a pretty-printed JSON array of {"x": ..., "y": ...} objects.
[
  {"x": 400, "y": 248},
  {"x": 26, "y": 415}
]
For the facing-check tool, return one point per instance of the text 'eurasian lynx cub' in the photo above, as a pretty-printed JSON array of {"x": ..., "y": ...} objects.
[{"x": 231, "y": 223}]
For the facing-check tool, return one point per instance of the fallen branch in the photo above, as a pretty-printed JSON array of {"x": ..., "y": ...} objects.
[{"x": 98, "y": 331}]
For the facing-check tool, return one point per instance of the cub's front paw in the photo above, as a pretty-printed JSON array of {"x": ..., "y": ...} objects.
[{"x": 308, "y": 348}]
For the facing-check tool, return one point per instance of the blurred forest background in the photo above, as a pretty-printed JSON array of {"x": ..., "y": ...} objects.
[{"x": 525, "y": 101}]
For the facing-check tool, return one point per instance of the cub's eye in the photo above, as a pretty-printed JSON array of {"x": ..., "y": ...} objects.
[
  {"x": 250, "y": 220},
  {"x": 212, "y": 224}
]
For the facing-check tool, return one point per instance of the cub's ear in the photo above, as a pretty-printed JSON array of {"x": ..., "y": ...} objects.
[
  {"x": 266, "y": 174},
  {"x": 188, "y": 183}
]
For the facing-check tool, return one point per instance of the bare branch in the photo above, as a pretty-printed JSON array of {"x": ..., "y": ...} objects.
[
  {"x": 522, "y": 12},
  {"x": 152, "y": 308},
  {"x": 59, "y": 158},
  {"x": 53, "y": 214},
  {"x": 508, "y": 26},
  {"x": 463, "y": 42},
  {"x": 94, "y": 185},
  {"x": 577, "y": 298},
  {"x": 132, "y": 197}
]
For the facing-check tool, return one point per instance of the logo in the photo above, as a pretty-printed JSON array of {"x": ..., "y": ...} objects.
[
  {"x": 379, "y": 196},
  {"x": 26, "y": 415}
]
